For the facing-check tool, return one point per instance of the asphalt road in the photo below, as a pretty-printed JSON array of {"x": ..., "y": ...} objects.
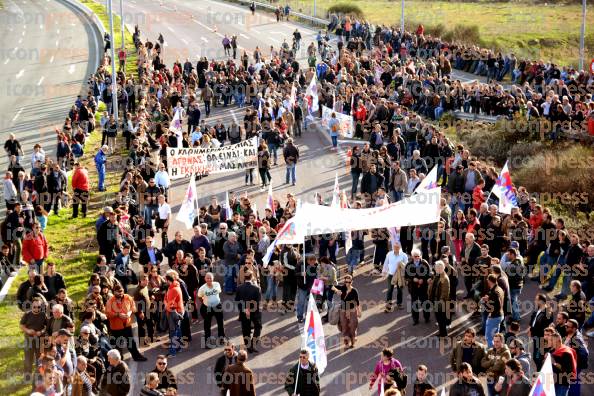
[
  {"x": 194, "y": 29},
  {"x": 47, "y": 52}
]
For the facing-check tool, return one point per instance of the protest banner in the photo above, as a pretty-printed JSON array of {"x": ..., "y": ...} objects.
[
  {"x": 347, "y": 126},
  {"x": 421, "y": 208},
  {"x": 183, "y": 162}
]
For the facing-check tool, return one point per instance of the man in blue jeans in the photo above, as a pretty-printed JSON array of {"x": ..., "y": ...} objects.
[
  {"x": 493, "y": 302},
  {"x": 516, "y": 271},
  {"x": 291, "y": 156},
  {"x": 334, "y": 127}
]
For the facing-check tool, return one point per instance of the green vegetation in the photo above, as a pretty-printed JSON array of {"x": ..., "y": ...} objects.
[
  {"x": 346, "y": 8},
  {"x": 72, "y": 244},
  {"x": 103, "y": 15},
  {"x": 534, "y": 31}
]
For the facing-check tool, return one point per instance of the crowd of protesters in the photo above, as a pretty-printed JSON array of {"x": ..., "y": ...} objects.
[{"x": 177, "y": 282}]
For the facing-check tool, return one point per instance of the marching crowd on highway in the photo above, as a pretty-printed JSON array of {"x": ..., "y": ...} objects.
[{"x": 392, "y": 85}]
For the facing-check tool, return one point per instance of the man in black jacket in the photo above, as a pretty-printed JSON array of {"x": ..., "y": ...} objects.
[
  {"x": 541, "y": 319},
  {"x": 108, "y": 237},
  {"x": 417, "y": 275},
  {"x": 303, "y": 378},
  {"x": 229, "y": 357},
  {"x": 467, "y": 383},
  {"x": 470, "y": 253},
  {"x": 166, "y": 377},
  {"x": 248, "y": 297},
  {"x": 56, "y": 185},
  {"x": 291, "y": 156}
]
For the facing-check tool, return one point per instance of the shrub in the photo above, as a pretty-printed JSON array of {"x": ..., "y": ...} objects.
[{"x": 347, "y": 9}]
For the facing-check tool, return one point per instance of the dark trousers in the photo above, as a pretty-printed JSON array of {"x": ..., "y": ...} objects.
[
  {"x": 125, "y": 337},
  {"x": 80, "y": 197},
  {"x": 255, "y": 319},
  {"x": 207, "y": 107},
  {"x": 32, "y": 349},
  {"x": 390, "y": 292},
  {"x": 419, "y": 299},
  {"x": 298, "y": 130},
  {"x": 442, "y": 322},
  {"x": 146, "y": 327},
  {"x": 289, "y": 292},
  {"x": 208, "y": 313}
]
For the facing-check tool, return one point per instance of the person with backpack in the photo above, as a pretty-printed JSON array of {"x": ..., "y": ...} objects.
[
  {"x": 383, "y": 368},
  {"x": 334, "y": 127}
]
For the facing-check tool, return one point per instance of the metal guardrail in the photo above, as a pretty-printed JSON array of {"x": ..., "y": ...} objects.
[{"x": 314, "y": 20}]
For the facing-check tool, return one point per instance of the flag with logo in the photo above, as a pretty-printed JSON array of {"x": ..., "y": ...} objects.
[
  {"x": 312, "y": 95},
  {"x": 289, "y": 234},
  {"x": 503, "y": 190},
  {"x": 187, "y": 210},
  {"x": 176, "y": 126},
  {"x": 293, "y": 97},
  {"x": 313, "y": 336},
  {"x": 545, "y": 382},
  {"x": 429, "y": 182}
]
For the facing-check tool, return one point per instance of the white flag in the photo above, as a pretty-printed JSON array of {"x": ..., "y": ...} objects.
[
  {"x": 270, "y": 199},
  {"x": 545, "y": 382},
  {"x": 335, "y": 193},
  {"x": 503, "y": 189},
  {"x": 227, "y": 205},
  {"x": 187, "y": 210},
  {"x": 429, "y": 182},
  {"x": 176, "y": 126},
  {"x": 293, "y": 98},
  {"x": 312, "y": 95}
]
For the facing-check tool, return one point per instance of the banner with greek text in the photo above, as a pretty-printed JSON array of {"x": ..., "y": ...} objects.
[{"x": 183, "y": 162}]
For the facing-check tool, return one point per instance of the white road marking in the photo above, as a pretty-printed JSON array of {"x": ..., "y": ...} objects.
[
  {"x": 219, "y": 34},
  {"x": 170, "y": 29},
  {"x": 58, "y": 31},
  {"x": 6, "y": 61},
  {"x": 15, "y": 50},
  {"x": 244, "y": 36},
  {"x": 17, "y": 114},
  {"x": 52, "y": 59},
  {"x": 23, "y": 33},
  {"x": 203, "y": 25},
  {"x": 40, "y": 80},
  {"x": 71, "y": 69},
  {"x": 57, "y": 43},
  {"x": 41, "y": 27},
  {"x": 184, "y": 41},
  {"x": 20, "y": 40},
  {"x": 204, "y": 39},
  {"x": 20, "y": 74}
]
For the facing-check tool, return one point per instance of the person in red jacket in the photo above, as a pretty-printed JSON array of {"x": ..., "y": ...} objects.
[
  {"x": 80, "y": 185},
  {"x": 564, "y": 362},
  {"x": 35, "y": 249},
  {"x": 174, "y": 308}
]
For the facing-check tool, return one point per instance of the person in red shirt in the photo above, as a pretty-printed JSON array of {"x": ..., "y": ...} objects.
[
  {"x": 174, "y": 308},
  {"x": 478, "y": 196},
  {"x": 35, "y": 249},
  {"x": 80, "y": 185}
]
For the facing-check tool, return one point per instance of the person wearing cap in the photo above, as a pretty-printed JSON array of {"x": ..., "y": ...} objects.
[
  {"x": 100, "y": 161},
  {"x": 119, "y": 309},
  {"x": 291, "y": 156},
  {"x": 80, "y": 185}
]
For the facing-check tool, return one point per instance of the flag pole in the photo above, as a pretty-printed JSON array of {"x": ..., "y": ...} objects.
[{"x": 297, "y": 376}]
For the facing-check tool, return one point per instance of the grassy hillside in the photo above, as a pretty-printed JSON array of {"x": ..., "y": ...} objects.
[{"x": 536, "y": 31}]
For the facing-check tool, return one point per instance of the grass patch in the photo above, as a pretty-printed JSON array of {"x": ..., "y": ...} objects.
[
  {"x": 72, "y": 244},
  {"x": 509, "y": 26},
  {"x": 131, "y": 55}
]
